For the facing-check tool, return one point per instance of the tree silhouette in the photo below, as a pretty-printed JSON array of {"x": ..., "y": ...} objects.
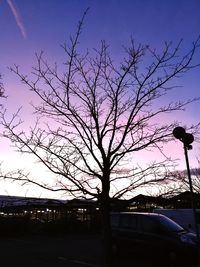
[
  {"x": 180, "y": 182},
  {"x": 1, "y": 87},
  {"x": 98, "y": 115}
]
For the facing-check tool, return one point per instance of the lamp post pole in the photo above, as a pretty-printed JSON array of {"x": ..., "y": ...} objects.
[
  {"x": 187, "y": 139},
  {"x": 191, "y": 191}
]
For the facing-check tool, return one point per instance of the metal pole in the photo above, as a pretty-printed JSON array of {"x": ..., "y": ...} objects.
[{"x": 191, "y": 191}]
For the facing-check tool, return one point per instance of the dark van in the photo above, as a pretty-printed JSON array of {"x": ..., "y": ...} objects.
[{"x": 153, "y": 234}]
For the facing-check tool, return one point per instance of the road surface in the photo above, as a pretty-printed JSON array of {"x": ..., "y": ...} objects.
[{"x": 62, "y": 251}]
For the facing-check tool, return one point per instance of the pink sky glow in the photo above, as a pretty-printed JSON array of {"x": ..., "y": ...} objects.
[{"x": 30, "y": 26}]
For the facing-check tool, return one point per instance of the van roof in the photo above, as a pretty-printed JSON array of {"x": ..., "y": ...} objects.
[{"x": 138, "y": 213}]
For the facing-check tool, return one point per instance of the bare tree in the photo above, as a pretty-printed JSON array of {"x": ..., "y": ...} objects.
[
  {"x": 177, "y": 182},
  {"x": 172, "y": 187},
  {"x": 181, "y": 182},
  {"x": 1, "y": 87},
  {"x": 98, "y": 115}
]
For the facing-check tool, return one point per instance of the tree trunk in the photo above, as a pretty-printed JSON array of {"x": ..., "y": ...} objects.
[{"x": 106, "y": 227}]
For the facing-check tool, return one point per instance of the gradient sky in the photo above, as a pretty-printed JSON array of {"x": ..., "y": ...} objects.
[{"x": 29, "y": 26}]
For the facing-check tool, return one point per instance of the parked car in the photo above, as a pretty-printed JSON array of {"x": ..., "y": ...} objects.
[
  {"x": 184, "y": 217},
  {"x": 152, "y": 234}
]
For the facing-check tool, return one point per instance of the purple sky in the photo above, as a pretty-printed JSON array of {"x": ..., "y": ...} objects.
[{"x": 29, "y": 26}]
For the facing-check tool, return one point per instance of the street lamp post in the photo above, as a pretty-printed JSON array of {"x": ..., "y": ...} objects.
[{"x": 187, "y": 139}]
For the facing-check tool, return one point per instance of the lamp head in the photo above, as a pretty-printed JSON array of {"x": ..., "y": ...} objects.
[
  {"x": 186, "y": 138},
  {"x": 179, "y": 133},
  {"x": 189, "y": 138}
]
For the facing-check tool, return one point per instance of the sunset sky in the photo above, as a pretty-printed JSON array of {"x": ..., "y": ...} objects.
[{"x": 30, "y": 26}]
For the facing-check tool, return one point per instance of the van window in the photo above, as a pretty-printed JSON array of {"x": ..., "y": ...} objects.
[
  {"x": 115, "y": 220},
  {"x": 124, "y": 221},
  {"x": 128, "y": 221},
  {"x": 169, "y": 224},
  {"x": 198, "y": 217},
  {"x": 149, "y": 225},
  {"x": 133, "y": 222}
]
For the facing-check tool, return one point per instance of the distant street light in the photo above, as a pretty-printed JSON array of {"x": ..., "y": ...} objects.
[{"x": 187, "y": 139}]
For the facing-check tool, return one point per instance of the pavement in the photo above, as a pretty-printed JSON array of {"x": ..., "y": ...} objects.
[{"x": 44, "y": 251}]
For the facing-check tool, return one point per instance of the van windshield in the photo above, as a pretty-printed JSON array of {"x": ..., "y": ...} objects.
[{"x": 170, "y": 225}]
